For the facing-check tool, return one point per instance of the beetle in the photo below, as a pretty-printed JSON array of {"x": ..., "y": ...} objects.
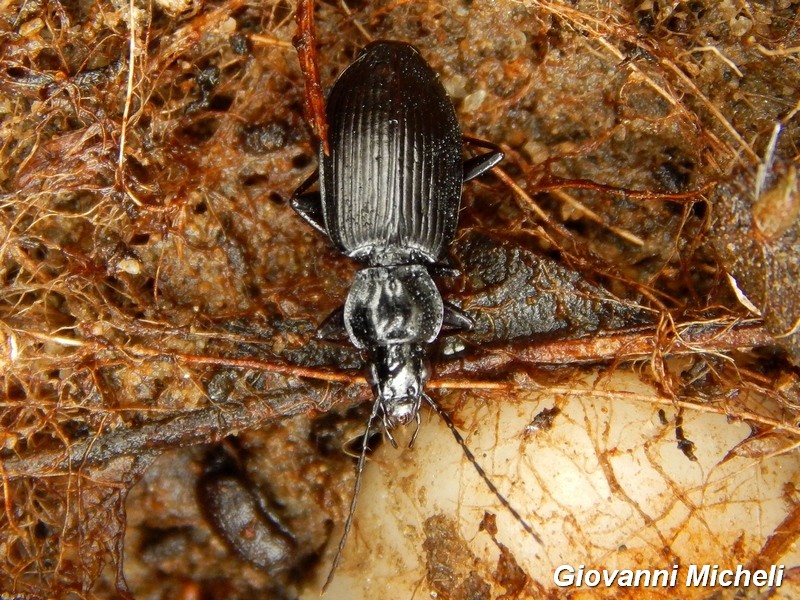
[{"x": 389, "y": 197}]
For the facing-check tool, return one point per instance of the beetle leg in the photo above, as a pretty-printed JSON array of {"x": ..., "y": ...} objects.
[
  {"x": 443, "y": 269},
  {"x": 309, "y": 204},
  {"x": 332, "y": 328},
  {"x": 455, "y": 319},
  {"x": 478, "y": 165}
]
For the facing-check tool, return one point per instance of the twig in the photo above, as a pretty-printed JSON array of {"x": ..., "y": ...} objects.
[
  {"x": 629, "y": 346},
  {"x": 200, "y": 426},
  {"x": 305, "y": 41}
]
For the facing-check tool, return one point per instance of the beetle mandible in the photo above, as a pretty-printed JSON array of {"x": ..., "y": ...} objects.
[{"x": 390, "y": 190}]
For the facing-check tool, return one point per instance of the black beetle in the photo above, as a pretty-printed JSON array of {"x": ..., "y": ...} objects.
[
  {"x": 389, "y": 196},
  {"x": 390, "y": 190}
]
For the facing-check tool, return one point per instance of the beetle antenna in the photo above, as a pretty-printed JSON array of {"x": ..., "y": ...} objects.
[
  {"x": 471, "y": 457},
  {"x": 362, "y": 459}
]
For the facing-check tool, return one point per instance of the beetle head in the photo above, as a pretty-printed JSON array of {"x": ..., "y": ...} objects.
[{"x": 398, "y": 373}]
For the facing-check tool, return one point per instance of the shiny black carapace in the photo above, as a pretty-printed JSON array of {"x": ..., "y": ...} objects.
[{"x": 390, "y": 190}]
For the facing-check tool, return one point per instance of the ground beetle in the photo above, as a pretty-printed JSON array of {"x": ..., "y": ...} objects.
[
  {"x": 389, "y": 196},
  {"x": 390, "y": 190}
]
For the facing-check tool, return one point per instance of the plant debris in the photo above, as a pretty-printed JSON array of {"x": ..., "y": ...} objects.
[{"x": 159, "y": 296}]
